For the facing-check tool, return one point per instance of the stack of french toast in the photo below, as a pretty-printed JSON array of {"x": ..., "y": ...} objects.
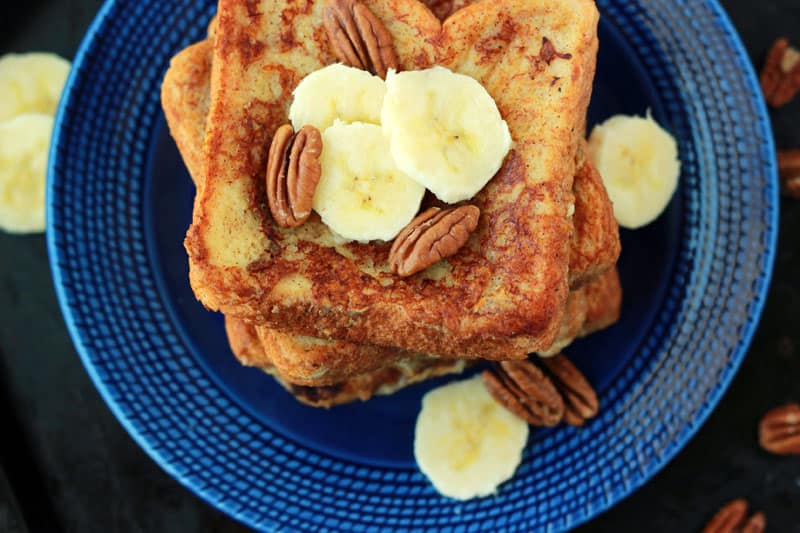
[{"x": 331, "y": 320}]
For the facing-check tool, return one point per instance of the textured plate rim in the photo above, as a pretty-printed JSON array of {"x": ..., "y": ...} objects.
[{"x": 747, "y": 336}]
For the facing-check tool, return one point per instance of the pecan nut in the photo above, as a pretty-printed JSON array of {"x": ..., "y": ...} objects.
[
  {"x": 432, "y": 236},
  {"x": 779, "y": 430},
  {"x": 755, "y": 524},
  {"x": 732, "y": 518},
  {"x": 358, "y": 37},
  {"x": 522, "y": 388},
  {"x": 580, "y": 399},
  {"x": 293, "y": 172},
  {"x": 780, "y": 78},
  {"x": 789, "y": 171}
]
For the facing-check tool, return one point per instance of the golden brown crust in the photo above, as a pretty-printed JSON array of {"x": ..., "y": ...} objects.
[
  {"x": 328, "y": 373},
  {"x": 341, "y": 359},
  {"x": 574, "y": 316},
  {"x": 492, "y": 291},
  {"x": 343, "y": 371},
  {"x": 385, "y": 381},
  {"x": 595, "y": 244},
  {"x": 353, "y": 371},
  {"x": 185, "y": 95},
  {"x": 604, "y": 298},
  {"x": 246, "y": 344},
  {"x": 186, "y": 89},
  {"x": 314, "y": 362},
  {"x": 311, "y": 361},
  {"x": 388, "y": 379}
]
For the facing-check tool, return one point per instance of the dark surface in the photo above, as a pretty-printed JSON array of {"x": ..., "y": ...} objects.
[{"x": 68, "y": 464}]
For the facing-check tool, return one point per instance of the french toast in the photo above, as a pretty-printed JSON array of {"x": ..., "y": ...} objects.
[
  {"x": 247, "y": 348},
  {"x": 189, "y": 74},
  {"x": 307, "y": 360},
  {"x": 185, "y": 94},
  {"x": 312, "y": 361},
  {"x": 444, "y": 8},
  {"x": 501, "y": 296},
  {"x": 594, "y": 244},
  {"x": 600, "y": 307}
]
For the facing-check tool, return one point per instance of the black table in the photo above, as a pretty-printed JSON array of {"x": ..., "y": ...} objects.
[{"x": 68, "y": 464}]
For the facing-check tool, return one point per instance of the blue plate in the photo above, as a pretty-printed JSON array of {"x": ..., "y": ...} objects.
[{"x": 119, "y": 203}]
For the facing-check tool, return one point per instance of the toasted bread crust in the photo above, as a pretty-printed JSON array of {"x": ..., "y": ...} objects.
[
  {"x": 329, "y": 373},
  {"x": 312, "y": 362},
  {"x": 304, "y": 359},
  {"x": 185, "y": 98},
  {"x": 491, "y": 291},
  {"x": 590, "y": 309},
  {"x": 595, "y": 244},
  {"x": 605, "y": 302},
  {"x": 388, "y": 379}
]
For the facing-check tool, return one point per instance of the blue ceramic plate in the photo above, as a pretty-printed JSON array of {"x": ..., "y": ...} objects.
[{"x": 119, "y": 203}]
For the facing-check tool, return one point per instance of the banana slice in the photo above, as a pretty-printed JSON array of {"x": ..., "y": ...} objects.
[
  {"x": 24, "y": 143},
  {"x": 31, "y": 83},
  {"x": 362, "y": 196},
  {"x": 465, "y": 442},
  {"x": 337, "y": 92},
  {"x": 639, "y": 163},
  {"x": 446, "y": 131}
]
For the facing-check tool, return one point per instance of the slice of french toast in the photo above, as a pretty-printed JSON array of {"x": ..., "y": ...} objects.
[
  {"x": 506, "y": 292},
  {"x": 599, "y": 308},
  {"x": 308, "y": 360},
  {"x": 246, "y": 346},
  {"x": 185, "y": 94},
  {"x": 311, "y": 361}
]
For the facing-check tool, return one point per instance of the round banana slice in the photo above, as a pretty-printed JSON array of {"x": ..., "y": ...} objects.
[
  {"x": 639, "y": 163},
  {"x": 446, "y": 131},
  {"x": 337, "y": 92},
  {"x": 362, "y": 196},
  {"x": 24, "y": 144},
  {"x": 31, "y": 83},
  {"x": 465, "y": 442}
]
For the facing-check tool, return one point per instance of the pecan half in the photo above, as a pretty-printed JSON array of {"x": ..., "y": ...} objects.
[
  {"x": 358, "y": 37},
  {"x": 780, "y": 78},
  {"x": 293, "y": 172},
  {"x": 580, "y": 399},
  {"x": 732, "y": 518},
  {"x": 431, "y": 237},
  {"x": 755, "y": 524},
  {"x": 779, "y": 430},
  {"x": 522, "y": 388},
  {"x": 789, "y": 171}
]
